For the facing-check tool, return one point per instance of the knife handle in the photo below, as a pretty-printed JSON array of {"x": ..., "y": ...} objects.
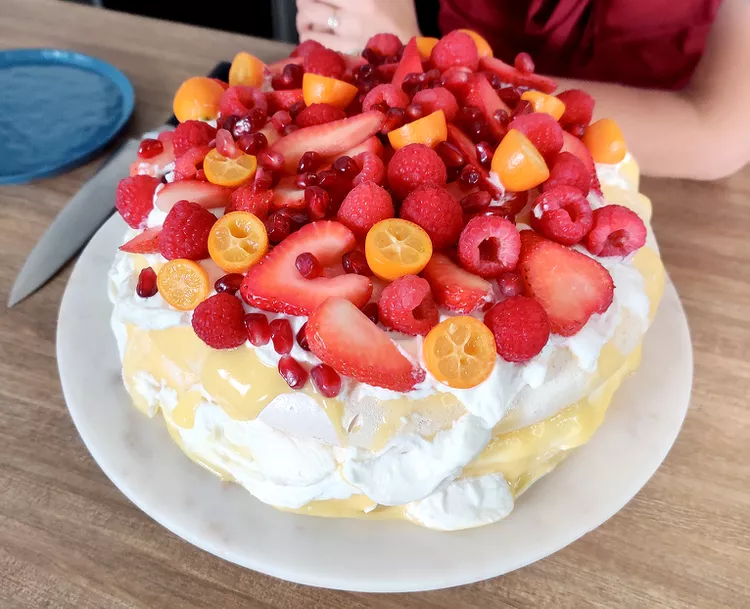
[{"x": 220, "y": 71}]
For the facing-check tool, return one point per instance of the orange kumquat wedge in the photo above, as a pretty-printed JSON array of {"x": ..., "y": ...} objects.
[
  {"x": 225, "y": 171},
  {"x": 518, "y": 163},
  {"x": 605, "y": 141},
  {"x": 246, "y": 70},
  {"x": 237, "y": 241},
  {"x": 396, "y": 247},
  {"x": 541, "y": 102},
  {"x": 183, "y": 283},
  {"x": 429, "y": 130},
  {"x": 197, "y": 99},
  {"x": 317, "y": 89},
  {"x": 425, "y": 44},
  {"x": 484, "y": 48}
]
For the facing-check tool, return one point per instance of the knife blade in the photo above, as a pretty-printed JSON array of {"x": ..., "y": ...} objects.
[{"x": 89, "y": 208}]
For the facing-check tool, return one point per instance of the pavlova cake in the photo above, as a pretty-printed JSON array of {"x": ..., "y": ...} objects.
[{"x": 401, "y": 285}]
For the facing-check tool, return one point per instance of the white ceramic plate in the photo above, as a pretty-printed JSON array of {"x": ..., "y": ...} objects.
[{"x": 138, "y": 455}]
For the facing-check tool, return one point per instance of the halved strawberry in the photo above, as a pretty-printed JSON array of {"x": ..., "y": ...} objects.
[
  {"x": 454, "y": 288},
  {"x": 577, "y": 148},
  {"x": 568, "y": 284},
  {"x": 205, "y": 194},
  {"x": 286, "y": 194},
  {"x": 156, "y": 165},
  {"x": 329, "y": 139},
  {"x": 479, "y": 93},
  {"x": 146, "y": 242},
  {"x": 410, "y": 63},
  {"x": 513, "y": 77},
  {"x": 345, "y": 339},
  {"x": 283, "y": 100},
  {"x": 275, "y": 284},
  {"x": 277, "y": 67}
]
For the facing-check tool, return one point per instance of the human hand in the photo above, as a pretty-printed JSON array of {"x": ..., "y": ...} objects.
[{"x": 345, "y": 26}]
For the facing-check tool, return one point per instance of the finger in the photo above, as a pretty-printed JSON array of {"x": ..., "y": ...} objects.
[
  {"x": 319, "y": 16},
  {"x": 344, "y": 44},
  {"x": 341, "y": 4}
]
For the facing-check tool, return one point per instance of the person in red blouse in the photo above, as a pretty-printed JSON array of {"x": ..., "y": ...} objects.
[{"x": 674, "y": 74}]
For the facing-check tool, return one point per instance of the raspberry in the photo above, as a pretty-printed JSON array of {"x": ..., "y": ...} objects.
[
  {"x": 241, "y": 99},
  {"x": 388, "y": 95},
  {"x": 366, "y": 205},
  {"x": 617, "y": 231},
  {"x": 435, "y": 99},
  {"x": 187, "y": 166},
  {"x": 325, "y": 62},
  {"x": 246, "y": 198},
  {"x": 489, "y": 246},
  {"x": 412, "y": 166},
  {"x": 543, "y": 131},
  {"x": 385, "y": 45},
  {"x": 134, "y": 198},
  {"x": 185, "y": 232},
  {"x": 437, "y": 211},
  {"x": 190, "y": 134},
  {"x": 219, "y": 321},
  {"x": 568, "y": 170},
  {"x": 407, "y": 306},
  {"x": 371, "y": 168},
  {"x": 455, "y": 49},
  {"x": 318, "y": 114},
  {"x": 562, "y": 214},
  {"x": 305, "y": 48},
  {"x": 579, "y": 106},
  {"x": 520, "y": 326}
]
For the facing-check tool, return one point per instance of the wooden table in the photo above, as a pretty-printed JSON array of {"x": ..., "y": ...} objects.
[{"x": 69, "y": 538}]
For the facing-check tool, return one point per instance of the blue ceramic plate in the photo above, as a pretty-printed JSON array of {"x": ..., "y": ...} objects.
[{"x": 57, "y": 108}]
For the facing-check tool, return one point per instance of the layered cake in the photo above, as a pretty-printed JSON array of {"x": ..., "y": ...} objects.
[{"x": 401, "y": 285}]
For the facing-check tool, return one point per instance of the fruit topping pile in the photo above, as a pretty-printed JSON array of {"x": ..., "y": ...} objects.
[{"x": 368, "y": 194}]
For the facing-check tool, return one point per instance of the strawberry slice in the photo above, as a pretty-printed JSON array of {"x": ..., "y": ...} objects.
[
  {"x": 479, "y": 93},
  {"x": 146, "y": 242},
  {"x": 329, "y": 139},
  {"x": 577, "y": 148},
  {"x": 513, "y": 77},
  {"x": 345, "y": 339},
  {"x": 454, "y": 288},
  {"x": 204, "y": 194},
  {"x": 461, "y": 141},
  {"x": 275, "y": 284},
  {"x": 568, "y": 284},
  {"x": 410, "y": 63},
  {"x": 371, "y": 144},
  {"x": 286, "y": 194},
  {"x": 157, "y": 165},
  {"x": 283, "y": 100}
]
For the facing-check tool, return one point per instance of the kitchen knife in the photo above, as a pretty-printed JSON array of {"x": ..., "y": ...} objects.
[{"x": 77, "y": 222}]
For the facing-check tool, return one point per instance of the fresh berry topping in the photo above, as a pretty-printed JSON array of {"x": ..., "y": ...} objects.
[
  {"x": 489, "y": 246},
  {"x": 520, "y": 326},
  {"x": 146, "y": 242},
  {"x": 190, "y": 134},
  {"x": 385, "y": 45},
  {"x": 412, "y": 166},
  {"x": 524, "y": 64},
  {"x": 383, "y": 97},
  {"x": 257, "y": 329},
  {"x": 371, "y": 311},
  {"x": 616, "y": 231},
  {"x": 543, "y": 131},
  {"x": 157, "y": 164},
  {"x": 275, "y": 284},
  {"x": 454, "y": 288},
  {"x": 562, "y": 214},
  {"x": 247, "y": 198},
  {"x": 188, "y": 165},
  {"x": 185, "y": 232},
  {"x": 305, "y": 48},
  {"x": 510, "y": 284},
  {"x": 480, "y": 94},
  {"x": 437, "y": 211},
  {"x": 438, "y": 98},
  {"x": 371, "y": 169},
  {"x": 568, "y": 170},
  {"x": 510, "y": 75},
  {"x": 229, "y": 283},
  {"x": 346, "y": 167},
  {"x": 407, "y": 306},
  {"x": 579, "y": 107},
  {"x": 283, "y": 100},
  {"x": 366, "y": 205},
  {"x": 455, "y": 49},
  {"x": 345, "y": 339},
  {"x": 146, "y": 286},
  {"x": 326, "y": 379},
  {"x": 410, "y": 63},
  {"x": 292, "y": 372},
  {"x": 240, "y": 100},
  {"x": 150, "y": 148},
  {"x": 134, "y": 198},
  {"x": 316, "y": 201},
  {"x": 570, "y": 286},
  {"x": 204, "y": 194},
  {"x": 319, "y": 114},
  {"x": 355, "y": 262},
  {"x": 308, "y": 266},
  {"x": 219, "y": 321},
  {"x": 281, "y": 335},
  {"x": 450, "y": 155},
  {"x": 578, "y": 149},
  {"x": 325, "y": 62}
]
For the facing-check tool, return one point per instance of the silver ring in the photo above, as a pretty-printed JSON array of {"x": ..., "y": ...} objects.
[{"x": 333, "y": 20}]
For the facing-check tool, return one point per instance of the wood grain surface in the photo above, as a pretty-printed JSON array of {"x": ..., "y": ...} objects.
[{"x": 69, "y": 538}]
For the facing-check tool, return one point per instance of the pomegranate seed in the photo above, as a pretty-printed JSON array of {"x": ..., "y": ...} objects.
[
  {"x": 225, "y": 145},
  {"x": 412, "y": 84},
  {"x": 309, "y": 162},
  {"x": 281, "y": 119},
  {"x": 346, "y": 166},
  {"x": 306, "y": 179},
  {"x": 278, "y": 227},
  {"x": 355, "y": 262},
  {"x": 294, "y": 74},
  {"x": 510, "y": 95},
  {"x": 271, "y": 159},
  {"x": 372, "y": 56},
  {"x": 371, "y": 310},
  {"x": 291, "y": 371},
  {"x": 297, "y": 218},
  {"x": 476, "y": 202},
  {"x": 502, "y": 117},
  {"x": 364, "y": 74},
  {"x": 283, "y": 81},
  {"x": 329, "y": 178},
  {"x": 316, "y": 200},
  {"x": 289, "y": 129},
  {"x": 252, "y": 143},
  {"x": 229, "y": 123},
  {"x": 265, "y": 179},
  {"x": 431, "y": 77},
  {"x": 281, "y": 335},
  {"x": 524, "y": 63},
  {"x": 495, "y": 81},
  {"x": 200, "y": 175},
  {"x": 308, "y": 266},
  {"x": 146, "y": 287},
  {"x": 576, "y": 129},
  {"x": 296, "y": 108},
  {"x": 510, "y": 284},
  {"x": 484, "y": 154},
  {"x": 326, "y": 379},
  {"x": 380, "y": 107},
  {"x": 414, "y": 111},
  {"x": 257, "y": 328},
  {"x": 150, "y": 148},
  {"x": 229, "y": 283},
  {"x": 453, "y": 173},
  {"x": 302, "y": 338},
  {"x": 523, "y": 107},
  {"x": 468, "y": 114},
  {"x": 451, "y": 155},
  {"x": 394, "y": 118},
  {"x": 516, "y": 201},
  {"x": 469, "y": 176},
  {"x": 478, "y": 130},
  {"x": 454, "y": 79}
]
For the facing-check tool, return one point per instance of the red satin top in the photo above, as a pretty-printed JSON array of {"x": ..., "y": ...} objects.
[{"x": 642, "y": 43}]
